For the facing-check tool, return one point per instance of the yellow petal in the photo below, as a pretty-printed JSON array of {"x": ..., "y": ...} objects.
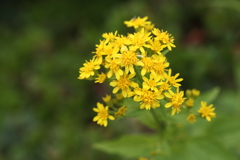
[
  {"x": 95, "y": 118},
  {"x": 168, "y": 105},
  {"x": 116, "y": 89},
  {"x": 143, "y": 71},
  {"x": 167, "y": 95},
  {"x": 96, "y": 109},
  {"x": 111, "y": 117},
  {"x": 105, "y": 123}
]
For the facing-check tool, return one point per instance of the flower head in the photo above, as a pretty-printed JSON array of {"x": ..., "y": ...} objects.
[
  {"x": 176, "y": 100},
  {"x": 139, "y": 39},
  {"x": 123, "y": 83},
  {"x": 114, "y": 68},
  {"x": 128, "y": 59},
  {"x": 156, "y": 46},
  {"x": 137, "y": 22},
  {"x": 152, "y": 82},
  {"x": 101, "y": 78},
  {"x": 148, "y": 99},
  {"x": 172, "y": 80},
  {"x": 107, "y": 98},
  {"x": 191, "y": 118},
  {"x": 121, "y": 111},
  {"x": 88, "y": 69},
  {"x": 147, "y": 65},
  {"x": 195, "y": 92},
  {"x": 102, "y": 115},
  {"x": 189, "y": 102},
  {"x": 109, "y": 36},
  {"x": 160, "y": 64},
  {"x": 165, "y": 37},
  {"x": 207, "y": 111}
]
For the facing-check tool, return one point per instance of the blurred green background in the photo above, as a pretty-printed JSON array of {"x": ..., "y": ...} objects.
[{"x": 46, "y": 112}]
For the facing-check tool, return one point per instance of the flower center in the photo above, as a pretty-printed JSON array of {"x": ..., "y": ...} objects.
[
  {"x": 177, "y": 100},
  {"x": 103, "y": 114},
  {"x": 129, "y": 58},
  {"x": 148, "y": 97},
  {"x": 123, "y": 83}
]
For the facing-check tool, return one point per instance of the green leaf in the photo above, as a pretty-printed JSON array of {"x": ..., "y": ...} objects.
[
  {"x": 130, "y": 146},
  {"x": 210, "y": 96},
  {"x": 231, "y": 4},
  {"x": 198, "y": 149},
  {"x": 227, "y": 130}
]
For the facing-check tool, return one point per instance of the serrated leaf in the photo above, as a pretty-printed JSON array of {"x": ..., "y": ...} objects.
[{"x": 130, "y": 146}]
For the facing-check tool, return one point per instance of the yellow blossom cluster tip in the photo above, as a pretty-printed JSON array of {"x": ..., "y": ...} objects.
[{"x": 135, "y": 66}]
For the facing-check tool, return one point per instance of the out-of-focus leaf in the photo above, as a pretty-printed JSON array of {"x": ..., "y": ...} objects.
[
  {"x": 130, "y": 146},
  {"x": 226, "y": 130},
  {"x": 199, "y": 149},
  {"x": 230, "y": 4}
]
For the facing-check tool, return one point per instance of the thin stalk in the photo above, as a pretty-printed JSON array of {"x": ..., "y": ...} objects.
[{"x": 165, "y": 52}]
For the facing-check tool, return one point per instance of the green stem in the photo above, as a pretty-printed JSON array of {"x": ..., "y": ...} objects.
[
  {"x": 165, "y": 52},
  {"x": 160, "y": 123}
]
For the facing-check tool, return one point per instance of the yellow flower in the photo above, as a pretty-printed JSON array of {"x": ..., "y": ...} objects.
[
  {"x": 151, "y": 83},
  {"x": 121, "y": 111},
  {"x": 88, "y": 69},
  {"x": 137, "y": 22},
  {"x": 190, "y": 102},
  {"x": 192, "y": 93},
  {"x": 100, "y": 51},
  {"x": 136, "y": 92},
  {"x": 109, "y": 36},
  {"x": 149, "y": 27},
  {"x": 102, "y": 115},
  {"x": 149, "y": 99},
  {"x": 141, "y": 158},
  {"x": 114, "y": 68},
  {"x": 147, "y": 65},
  {"x": 188, "y": 93},
  {"x": 101, "y": 78},
  {"x": 172, "y": 80},
  {"x": 176, "y": 100},
  {"x": 160, "y": 64},
  {"x": 107, "y": 98},
  {"x": 156, "y": 46},
  {"x": 195, "y": 93},
  {"x": 165, "y": 37},
  {"x": 164, "y": 86},
  {"x": 191, "y": 118},
  {"x": 120, "y": 42},
  {"x": 128, "y": 59},
  {"x": 207, "y": 111},
  {"x": 123, "y": 83},
  {"x": 139, "y": 39},
  {"x": 119, "y": 96}
]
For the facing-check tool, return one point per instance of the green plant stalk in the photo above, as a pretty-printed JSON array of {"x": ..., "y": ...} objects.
[
  {"x": 165, "y": 52},
  {"x": 161, "y": 125}
]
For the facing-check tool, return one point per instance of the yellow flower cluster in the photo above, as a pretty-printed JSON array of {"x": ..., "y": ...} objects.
[{"x": 135, "y": 66}]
